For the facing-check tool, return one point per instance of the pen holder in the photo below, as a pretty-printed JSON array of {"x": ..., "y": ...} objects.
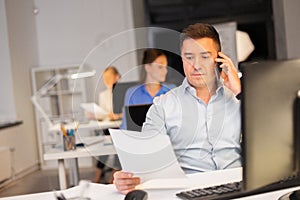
[{"x": 69, "y": 142}]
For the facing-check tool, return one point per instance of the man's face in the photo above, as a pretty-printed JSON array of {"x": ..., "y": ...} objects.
[{"x": 198, "y": 58}]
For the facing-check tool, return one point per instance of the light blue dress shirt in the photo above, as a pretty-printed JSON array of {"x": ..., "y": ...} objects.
[
  {"x": 138, "y": 95},
  {"x": 204, "y": 136}
]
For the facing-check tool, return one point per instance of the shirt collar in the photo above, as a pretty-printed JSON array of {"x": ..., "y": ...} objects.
[
  {"x": 187, "y": 87},
  {"x": 143, "y": 87},
  {"x": 162, "y": 90}
]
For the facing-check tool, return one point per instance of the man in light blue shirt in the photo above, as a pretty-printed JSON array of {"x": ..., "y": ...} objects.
[
  {"x": 202, "y": 116},
  {"x": 208, "y": 140}
]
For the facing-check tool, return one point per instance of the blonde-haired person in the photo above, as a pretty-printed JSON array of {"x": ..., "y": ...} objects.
[{"x": 110, "y": 76}]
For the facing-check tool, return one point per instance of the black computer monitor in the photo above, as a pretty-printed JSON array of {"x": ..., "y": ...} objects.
[
  {"x": 136, "y": 116},
  {"x": 270, "y": 142},
  {"x": 119, "y": 91}
]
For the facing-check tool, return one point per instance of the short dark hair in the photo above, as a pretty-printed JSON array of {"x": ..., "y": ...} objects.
[
  {"x": 198, "y": 31},
  {"x": 151, "y": 54}
]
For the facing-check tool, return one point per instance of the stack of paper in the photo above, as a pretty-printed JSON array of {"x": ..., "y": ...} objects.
[
  {"x": 150, "y": 157},
  {"x": 94, "y": 109}
]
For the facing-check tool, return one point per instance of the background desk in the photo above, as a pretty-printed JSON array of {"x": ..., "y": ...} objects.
[
  {"x": 91, "y": 125},
  {"x": 104, "y": 147},
  {"x": 100, "y": 191},
  {"x": 93, "y": 150}
]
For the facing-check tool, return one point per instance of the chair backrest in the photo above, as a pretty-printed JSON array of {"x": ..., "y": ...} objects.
[
  {"x": 119, "y": 91},
  {"x": 136, "y": 116}
]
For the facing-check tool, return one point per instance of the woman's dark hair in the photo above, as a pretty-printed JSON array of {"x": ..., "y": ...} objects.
[
  {"x": 200, "y": 30},
  {"x": 151, "y": 54}
]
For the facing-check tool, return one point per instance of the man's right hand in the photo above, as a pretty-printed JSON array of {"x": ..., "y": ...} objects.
[{"x": 125, "y": 182}]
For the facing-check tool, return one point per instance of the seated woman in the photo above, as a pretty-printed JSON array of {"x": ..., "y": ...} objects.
[{"x": 155, "y": 66}]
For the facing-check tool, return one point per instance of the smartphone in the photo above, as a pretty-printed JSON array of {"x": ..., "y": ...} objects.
[
  {"x": 218, "y": 70},
  {"x": 218, "y": 66}
]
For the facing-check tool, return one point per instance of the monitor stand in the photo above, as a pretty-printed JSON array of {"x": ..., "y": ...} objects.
[{"x": 294, "y": 195}]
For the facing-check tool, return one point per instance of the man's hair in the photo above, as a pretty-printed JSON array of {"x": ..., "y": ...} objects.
[
  {"x": 198, "y": 31},
  {"x": 151, "y": 54}
]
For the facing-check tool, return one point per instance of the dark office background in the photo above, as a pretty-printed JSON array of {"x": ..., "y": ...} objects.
[{"x": 252, "y": 16}]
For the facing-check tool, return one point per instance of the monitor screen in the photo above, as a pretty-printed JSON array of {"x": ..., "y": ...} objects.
[
  {"x": 119, "y": 91},
  {"x": 269, "y": 138}
]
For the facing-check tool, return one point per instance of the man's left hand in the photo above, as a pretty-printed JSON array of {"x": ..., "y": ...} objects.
[{"x": 229, "y": 73}]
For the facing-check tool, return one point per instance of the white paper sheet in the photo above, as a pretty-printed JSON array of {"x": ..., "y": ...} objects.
[
  {"x": 150, "y": 157},
  {"x": 94, "y": 108}
]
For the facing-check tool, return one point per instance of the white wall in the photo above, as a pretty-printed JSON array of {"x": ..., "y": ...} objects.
[
  {"x": 22, "y": 55},
  {"x": 7, "y": 106},
  {"x": 287, "y": 28},
  {"x": 68, "y": 30},
  {"x": 292, "y": 26}
]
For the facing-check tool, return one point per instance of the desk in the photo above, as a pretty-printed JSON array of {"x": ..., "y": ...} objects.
[
  {"x": 102, "y": 148},
  {"x": 101, "y": 191},
  {"x": 91, "y": 125},
  {"x": 93, "y": 150}
]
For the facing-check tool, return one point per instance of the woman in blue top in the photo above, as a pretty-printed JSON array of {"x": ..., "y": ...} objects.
[{"x": 155, "y": 65}]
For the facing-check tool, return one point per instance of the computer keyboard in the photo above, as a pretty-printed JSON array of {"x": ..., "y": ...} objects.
[
  {"x": 235, "y": 190},
  {"x": 211, "y": 192}
]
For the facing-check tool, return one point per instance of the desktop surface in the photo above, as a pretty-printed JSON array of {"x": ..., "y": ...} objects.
[
  {"x": 103, "y": 191},
  {"x": 103, "y": 147},
  {"x": 90, "y": 125}
]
